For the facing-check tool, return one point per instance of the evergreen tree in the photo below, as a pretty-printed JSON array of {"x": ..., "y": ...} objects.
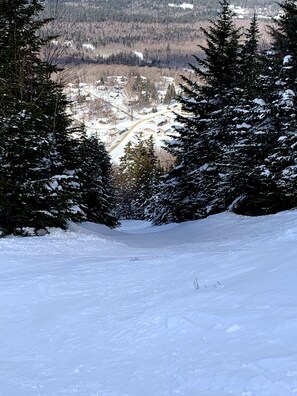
[
  {"x": 250, "y": 65},
  {"x": 198, "y": 184},
  {"x": 97, "y": 190},
  {"x": 282, "y": 160},
  {"x": 269, "y": 179},
  {"x": 170, "y": 94},
  {"x": 145, "y": 90},
  {"x": 248, "y": 133},
  {"x": 38, "y": 179},
  {"x": 125, "y": 184},
  {"x": 273, "y": 174},
  {"x": 139, "y": 171}
]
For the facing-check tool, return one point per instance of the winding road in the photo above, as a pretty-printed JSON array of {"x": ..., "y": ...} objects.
[{"x": 125, "y": 137}]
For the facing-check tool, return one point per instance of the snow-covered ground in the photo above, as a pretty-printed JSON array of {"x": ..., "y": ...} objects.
[{"x": 205, "y": 308}]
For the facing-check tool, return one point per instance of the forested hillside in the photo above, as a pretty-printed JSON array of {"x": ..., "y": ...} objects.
[
  {"x": 163, "y": 33},
  {"x": 149, "y": 11}
]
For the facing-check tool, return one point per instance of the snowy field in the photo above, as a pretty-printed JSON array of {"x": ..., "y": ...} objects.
[{"x": 206, "y": 308}]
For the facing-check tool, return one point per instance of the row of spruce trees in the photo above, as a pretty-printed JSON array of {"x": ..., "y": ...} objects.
[
  {"x": 236, "y": 147},
  {"x": 50, "y": 171}
]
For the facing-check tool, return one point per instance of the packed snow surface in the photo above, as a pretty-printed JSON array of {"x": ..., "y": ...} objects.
[{"x": 205, "y": 308}]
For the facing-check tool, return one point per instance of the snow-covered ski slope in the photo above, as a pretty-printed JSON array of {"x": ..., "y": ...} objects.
[{"x": 205, "y": 308}]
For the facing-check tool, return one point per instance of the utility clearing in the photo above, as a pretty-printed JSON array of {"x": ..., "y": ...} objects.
[{"x": 204, "y": 308}]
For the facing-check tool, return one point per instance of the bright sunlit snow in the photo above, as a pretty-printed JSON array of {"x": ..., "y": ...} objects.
[{"x": 206, "y": 308}]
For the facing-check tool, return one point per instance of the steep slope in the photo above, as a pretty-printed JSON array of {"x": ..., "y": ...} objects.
[{"x": 204, "y": 308}]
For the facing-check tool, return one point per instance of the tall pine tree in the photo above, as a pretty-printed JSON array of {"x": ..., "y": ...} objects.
[
  {"x": 38, "y": 178},
  {"x": 272, "y": 180},
  {"x": 97, "y": 193},
  {"x": 249, "y": 140},
  {"x": 198, "y": 184},
  {"x": 281, "y": 162}
]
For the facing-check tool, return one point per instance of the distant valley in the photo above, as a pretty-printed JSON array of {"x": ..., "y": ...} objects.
[
  {"x": 140, "y": 32},
  {"x": 105, "y": 46}
]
